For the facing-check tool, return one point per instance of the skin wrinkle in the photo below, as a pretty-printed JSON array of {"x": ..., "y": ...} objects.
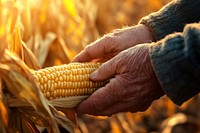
[
  {"x": 112, "y": 93},
  {"x": 130, "y": 65},
  {"x": 130, "y": 84},
  {"x": 107, "y": 101},
  {"x": 111, "y": 49},
  {"x": 99, "y": 106},
  {"x": 100, "y": 46},
  {"x": 87, "y": 53},
  {"x": 121, "y": 66},
  {"x": 114, "y": 89},
  {"x": 112, "y": 43},
  {"x": 109, "y": 73},
  {"x": 127, "y": 91},
  {"x": 139, "y": 84},
  {"x": 139, "y": 107},
  {"x": 111, "y": 88}
]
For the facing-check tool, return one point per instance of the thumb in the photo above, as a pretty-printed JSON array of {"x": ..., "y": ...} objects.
[{"x": 104, "y": 72}]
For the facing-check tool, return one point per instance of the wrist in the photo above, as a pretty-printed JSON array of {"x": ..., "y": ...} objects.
[
  {"x": 145, "y": 34},
  {"x": 157, "y": 86}
]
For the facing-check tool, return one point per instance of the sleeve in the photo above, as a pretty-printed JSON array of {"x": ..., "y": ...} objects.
[
  {"x": 176, "y": 62},
  {"x": 172, "y": 18}
]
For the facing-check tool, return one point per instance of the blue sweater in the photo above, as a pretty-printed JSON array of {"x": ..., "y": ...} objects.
[{"x": 176, "y": 54}]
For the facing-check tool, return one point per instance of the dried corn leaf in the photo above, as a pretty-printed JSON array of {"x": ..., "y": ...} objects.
[
  {"x": 62, "y": 104},
  {"x": 115, "y": 125},
  {"x": 28, "y": 126},
  {"x": 26, "y": 20},
  {"x": 29, "y": 58},
  {"x": 3, "y": 111},
  {"x": 3, "y": 117},
  {"x": 20, "y": 123},
  {"x": 40, "y": 47},
  {"x": 9, "y": 15},
  {"x": 55, "y": 31},
  {"x": 173, "y": 124},
  {"x": 43, "y": 37},
  {"x": 17, "y": 84},
  {"x": 16, "y": 72},
  {"x": 60, "y": 54},
  {"x": 2, "y": 126},
  {"x": 37, "y": 118},
  {"x": 2, "y": 48},
  {"x": 69, "y": 113},
  {"x": 69, "y": 6},
  {"x": 15, "y": 43}
]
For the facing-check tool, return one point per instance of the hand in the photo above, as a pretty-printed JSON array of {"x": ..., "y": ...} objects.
[
  {"x": 111, "y": 44},
  {"x": 133, "y": 85}
]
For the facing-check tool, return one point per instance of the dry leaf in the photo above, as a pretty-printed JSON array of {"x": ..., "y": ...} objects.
[{"x": 42, "y": 33}]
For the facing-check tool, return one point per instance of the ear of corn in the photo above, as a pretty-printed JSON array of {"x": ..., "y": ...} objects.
[{"x": 67, "y": 80}]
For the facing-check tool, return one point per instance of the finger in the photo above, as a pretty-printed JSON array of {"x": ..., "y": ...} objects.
[
  {"x": 116, "y": 108},
  {"x": 83, "y": 56},
  {"x": 100, "y": 99},
  {"x": 95, "y": 50},
  {"x": 105, "y": 71}
]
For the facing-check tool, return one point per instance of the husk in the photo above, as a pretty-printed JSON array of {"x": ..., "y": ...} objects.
[
  {"x": 67, "y": 102},
  {"x": 22, "y": 86},
  {"x": 33, "y": 35},
  {"x": 3, "y": 116},
  {"x": 43, "y": 33}
]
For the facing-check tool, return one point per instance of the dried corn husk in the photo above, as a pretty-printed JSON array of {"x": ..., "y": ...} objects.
[
  {"x": 44, "y": 33},
  {"x": 33, "y": 106},
  {"x": 30, "y": 41}
]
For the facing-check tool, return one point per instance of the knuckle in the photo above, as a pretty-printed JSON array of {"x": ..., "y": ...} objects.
[
  {"x": 88, "y": 50},
  {"x": 102, "y": 69},
  {"x": 88, "y": 47},
  {"x": 110, "y": 39}
]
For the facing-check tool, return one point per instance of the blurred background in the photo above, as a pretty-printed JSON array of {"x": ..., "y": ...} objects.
[{"x": 56, "y": 30}]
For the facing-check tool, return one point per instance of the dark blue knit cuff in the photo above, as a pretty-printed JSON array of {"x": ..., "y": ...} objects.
[
  {"x": 177, "y": 67},
  {"x": 172, "y": 18}
]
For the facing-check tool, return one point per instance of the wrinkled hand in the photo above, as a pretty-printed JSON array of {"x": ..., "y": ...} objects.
[
  {"x": 133, "y": 85},
  {"x": 113, "y": 43}
]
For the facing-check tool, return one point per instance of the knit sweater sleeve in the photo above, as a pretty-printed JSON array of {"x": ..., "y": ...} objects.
[
  {"x": 176, "y": 61},
  {"x": 172, "y": 18}
]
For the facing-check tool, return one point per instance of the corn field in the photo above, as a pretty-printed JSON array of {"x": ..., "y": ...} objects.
[{"x": 36, "y": 34}]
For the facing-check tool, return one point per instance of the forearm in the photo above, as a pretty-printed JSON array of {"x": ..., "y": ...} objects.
[
  {"x": 172, "y": 18},
  {"x": 176, "y": 61}
]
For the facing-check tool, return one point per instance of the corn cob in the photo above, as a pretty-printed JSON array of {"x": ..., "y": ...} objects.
[{"x": 67, "y": 80}]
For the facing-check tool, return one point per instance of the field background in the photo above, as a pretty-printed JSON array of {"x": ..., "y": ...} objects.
[{"x": 56, "y": 30}]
